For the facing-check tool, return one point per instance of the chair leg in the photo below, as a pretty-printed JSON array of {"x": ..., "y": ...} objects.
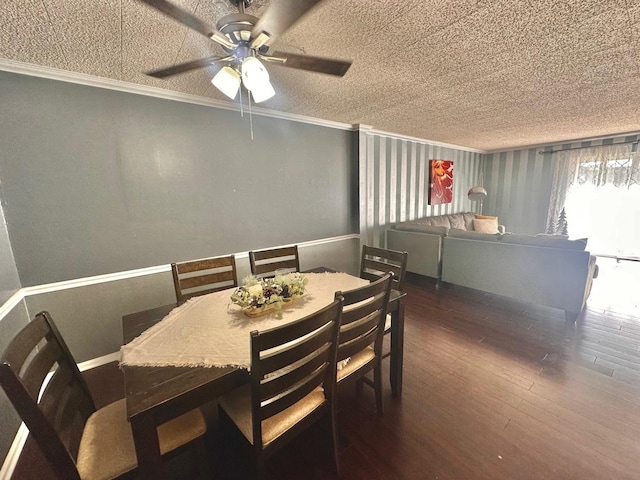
[
  {"x": 200, "y": 450},
  {"x": 258, "y": 464},
  {"x": 377, "y": 380},
  {"x": 332, "y": 428},
  {"x": 359, "y": 384}
]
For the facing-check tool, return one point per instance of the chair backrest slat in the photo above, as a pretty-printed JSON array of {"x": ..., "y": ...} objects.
[
  {"x": 264, "y": 263},
  {"x": 39, "y": 367},
  {"x": 55, "y": 392},
  {"x": 200, "y": 277},
  {"x": 194, "y": 282},
  {"x": 290, "y": 361},
  {"x": 287, "y": 355},
  {"x": 365, "y": 310},
  {"x": 206, "y": 264},
  {"x": 25, "y": 342},
  {"x": 279, "y": 336},
  {"x": 350, "y": 348},
  {"x": 301, "y": 390},
  {"x": 277, "y": 383},
  {"x": 359, "y": 328},
  {"x": 376, "y": 262}
]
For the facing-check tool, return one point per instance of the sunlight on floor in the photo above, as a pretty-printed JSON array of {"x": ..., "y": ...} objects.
[{"x": 617, "y": 288}]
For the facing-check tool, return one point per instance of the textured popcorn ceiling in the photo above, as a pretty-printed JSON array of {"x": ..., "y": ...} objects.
[{"x": 486, "y": 74}]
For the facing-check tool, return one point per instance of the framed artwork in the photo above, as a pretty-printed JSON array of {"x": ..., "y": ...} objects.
[{"x": 440, "y": 181}]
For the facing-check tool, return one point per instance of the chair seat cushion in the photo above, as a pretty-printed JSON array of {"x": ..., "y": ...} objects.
[
  {"x": 237, "y": 405},
  {"x": 107, "y": 449},
  {"x": 355, "y": 362}
]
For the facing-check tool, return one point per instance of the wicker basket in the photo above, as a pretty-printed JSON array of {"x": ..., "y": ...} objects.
[{"x": 260, "y": 311}]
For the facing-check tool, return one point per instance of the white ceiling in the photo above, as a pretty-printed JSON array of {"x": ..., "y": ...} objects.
[{"x": 484, "y": 74}]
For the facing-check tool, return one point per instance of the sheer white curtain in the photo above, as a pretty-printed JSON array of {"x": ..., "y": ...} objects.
[{"x": 599, "y": 188}]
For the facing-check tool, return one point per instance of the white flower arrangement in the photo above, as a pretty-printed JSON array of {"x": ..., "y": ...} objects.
[{"x": 256, "y": 294}]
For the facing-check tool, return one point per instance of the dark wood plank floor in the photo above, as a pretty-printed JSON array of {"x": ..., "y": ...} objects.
[{"x": 493, "y": 389}]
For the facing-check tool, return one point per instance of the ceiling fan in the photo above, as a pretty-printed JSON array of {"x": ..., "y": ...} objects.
[{"x": 246, "y": 40}]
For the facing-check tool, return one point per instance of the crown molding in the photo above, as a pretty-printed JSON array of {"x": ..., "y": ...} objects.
[
  {"x": 612, "y": 136},
  {"x": 368, "y": 130},
  {"x": 51, "y": 73}
]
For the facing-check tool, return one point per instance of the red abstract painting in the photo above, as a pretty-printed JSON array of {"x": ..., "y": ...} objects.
[{"x": 440, "y": 181}]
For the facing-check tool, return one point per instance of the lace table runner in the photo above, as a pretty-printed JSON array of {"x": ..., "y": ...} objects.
[{"x": 211, "y": 331}]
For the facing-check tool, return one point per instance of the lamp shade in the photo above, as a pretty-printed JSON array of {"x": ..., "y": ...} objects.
[
  {"x": 477, "y": 193},
  {"x": 227, "y": 80}
]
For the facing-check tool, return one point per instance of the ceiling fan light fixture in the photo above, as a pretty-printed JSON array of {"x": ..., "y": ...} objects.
[
  {"x": 255, "y": 78},
  {"x": 227, "y": 80},
  {"x": 254, "y": 73},
  {"x": 262, "y": 92}
]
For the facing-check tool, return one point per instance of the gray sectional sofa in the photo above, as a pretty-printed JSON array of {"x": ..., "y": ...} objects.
[
  {"x": 547, "y": 270},
  {"x": 422, "y": 238}
]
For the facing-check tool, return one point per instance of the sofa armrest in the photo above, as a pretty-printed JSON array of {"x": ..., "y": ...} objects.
[
  {"x": 502, "y": 229},
  {"x": 424, "y": 249}
]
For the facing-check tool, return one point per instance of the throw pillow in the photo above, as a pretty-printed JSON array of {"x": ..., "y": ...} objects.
[
  {"x": 486, "y": 217},
  {"x": 485, "y": 225}
]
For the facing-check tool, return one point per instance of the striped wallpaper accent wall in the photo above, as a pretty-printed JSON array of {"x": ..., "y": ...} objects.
[
  {"x": 518, "y": 183},
  {"x": 394, "y": 181}
]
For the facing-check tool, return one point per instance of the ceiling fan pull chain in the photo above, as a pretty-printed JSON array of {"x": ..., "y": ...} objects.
[
  {"x": 241, "y": 103},
  {"x": 250, "y": 116}
]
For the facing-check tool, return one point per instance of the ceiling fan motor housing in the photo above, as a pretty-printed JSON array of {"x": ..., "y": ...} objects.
[{"x": 237, "y": 27}]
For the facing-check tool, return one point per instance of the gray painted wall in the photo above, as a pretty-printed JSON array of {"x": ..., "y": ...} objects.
[
  {"x": 98, "y": 181},
  {"x": 9, "y": 281}
]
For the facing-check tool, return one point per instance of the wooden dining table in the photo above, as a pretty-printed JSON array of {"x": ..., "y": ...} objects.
[{"x": 156, "y": 394}]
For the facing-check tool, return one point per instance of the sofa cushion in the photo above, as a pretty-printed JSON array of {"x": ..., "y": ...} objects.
[
  {"x": 457, "y": 221},
  {"x": 552, "y": 235},
  {"x": 485, "y": 225},
  {"x": 544, "y": 242},
  {"x": 468, "y": 220},
  {"x": 463, "y": 221},
  {"x": 471, "y": 235},
  {"x": 422, "y": 227},
  {"x": 437, "y": 221}
]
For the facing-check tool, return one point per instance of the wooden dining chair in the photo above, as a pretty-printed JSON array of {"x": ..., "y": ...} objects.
[
  {"x": 264, "y": 263},
  {"x": 293, "y": 375},
  {"x": 375, "y": 263},
  {"x": 199, "y": 277},
  {"x": 42, "y": 381},
  {"x": 361, "y": 334}
]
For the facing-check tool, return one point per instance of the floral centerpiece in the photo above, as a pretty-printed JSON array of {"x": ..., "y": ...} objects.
[{"x": 258, "y": 296}]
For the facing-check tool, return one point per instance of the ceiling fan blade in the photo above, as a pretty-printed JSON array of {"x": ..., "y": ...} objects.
[
  {"x": 279, "y": 16},
  {"x": 307, "y": 62},
  {"x": 189, "y": 20},
  {"x": 185, "y": 67}
]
